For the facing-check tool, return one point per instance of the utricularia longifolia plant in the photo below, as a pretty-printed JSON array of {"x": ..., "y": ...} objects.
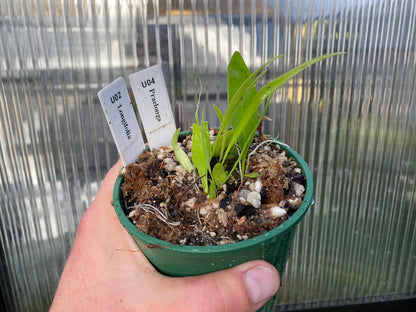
[{"x": 216, "y": 162}]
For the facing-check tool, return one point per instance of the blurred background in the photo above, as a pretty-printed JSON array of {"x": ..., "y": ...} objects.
[{"x": 352, "y": 118}]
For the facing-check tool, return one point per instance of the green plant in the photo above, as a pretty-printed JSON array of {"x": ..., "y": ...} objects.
[{"x": 216, "y": 163}]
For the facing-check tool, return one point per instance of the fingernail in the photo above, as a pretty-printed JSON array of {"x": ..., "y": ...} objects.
[{"x": 261, "y": 283}]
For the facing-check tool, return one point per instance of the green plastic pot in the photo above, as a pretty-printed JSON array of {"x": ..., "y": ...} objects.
[{"x": 176, "y": 260}]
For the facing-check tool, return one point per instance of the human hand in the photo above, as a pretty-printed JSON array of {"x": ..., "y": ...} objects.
[{"x": 106, "y": 271}]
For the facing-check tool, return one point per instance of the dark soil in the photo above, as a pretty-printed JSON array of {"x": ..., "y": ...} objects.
[{"x": 165, "y": 201}]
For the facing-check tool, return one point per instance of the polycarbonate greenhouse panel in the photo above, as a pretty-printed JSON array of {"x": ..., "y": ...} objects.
[{"x": 352, "y": 118}]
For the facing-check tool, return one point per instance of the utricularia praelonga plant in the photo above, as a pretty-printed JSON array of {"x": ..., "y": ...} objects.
[{"x": 216, "y": 162}]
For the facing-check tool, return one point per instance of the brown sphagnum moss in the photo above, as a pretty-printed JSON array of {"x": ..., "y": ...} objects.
[{"x": 166, "y": 202}]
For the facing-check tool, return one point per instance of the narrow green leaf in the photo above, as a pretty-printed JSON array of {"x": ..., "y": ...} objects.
[
  {"x": 199, "y": 100},
  {"x": 235, "y": 105},
  {"x": 201, "y": 151},
  {"x": 180, "y": 154},
  {"x": 212, "y": 191},
  {"x": 206, "y": 143},
  {"x": 219, "y": 112},
  {"x": 238, "y": 72},
  {"x": 237, "y": 99},
  {"x": 220, "y": 141},
  {"x": 219, "y": 174},
  {"x": 242, "y": 115},
  {"x": 244, "y": 149},
  {"x": 252, "y": 175},
  {"x": 241, "y": 92},
  {"x": 277, "y": 83},
  {"x": 269, "y": 89}
]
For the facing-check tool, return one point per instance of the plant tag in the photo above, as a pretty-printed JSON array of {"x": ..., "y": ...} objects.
[
  {"x": 118, "y": 110},
  {"x": 153, "y": 104}
]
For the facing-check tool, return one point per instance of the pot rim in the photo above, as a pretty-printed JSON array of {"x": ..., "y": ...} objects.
[{"x": 265, "y": 238}]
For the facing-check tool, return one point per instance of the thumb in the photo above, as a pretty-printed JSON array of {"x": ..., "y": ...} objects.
[{"x": 245, "y": 287}]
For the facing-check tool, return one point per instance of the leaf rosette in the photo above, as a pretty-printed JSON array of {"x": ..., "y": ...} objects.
[{"x": 238, "y": 126}]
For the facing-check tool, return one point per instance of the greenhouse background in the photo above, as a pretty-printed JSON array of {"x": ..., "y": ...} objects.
[{"x": 352, "y": 118}]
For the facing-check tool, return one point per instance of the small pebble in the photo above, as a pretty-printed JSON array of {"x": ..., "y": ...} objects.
[
  {"x": 132, "y": 214},
  {"x": 203, "y": 211},
  {"x": 224, "y": 187},
  {"x": 163, "y": 173},
  {"x": 222, "y": 217},
  {"x": 225, "y": 201},
  {"x": 254, "y": 198},
  {"x": 160, "y": 154},
  {"x": 191, "y": 203},
  {"x": 169, "y": 164},
  {"x": 295, "y": 203},
  {"x": 278, "y": 212},
  {"x": 189, "y": 145},
  {"x": 258, "y": 186},
  {"x": 179, "y": 169},
  {"x": 243, "y": 210},
  {"x": 242, "y": 220},
  {"x": 255, "y": 186},
  {"x": 243, "y": 194},
  {"x": 281, "y": 158},
  {"x": 298, "y": 177},
  {"x": 299, "y": 189}
]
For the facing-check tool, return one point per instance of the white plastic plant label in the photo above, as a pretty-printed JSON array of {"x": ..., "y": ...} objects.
[
  {"x": 118, "y": 110},
  {"x": 153, "y": 104}
]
